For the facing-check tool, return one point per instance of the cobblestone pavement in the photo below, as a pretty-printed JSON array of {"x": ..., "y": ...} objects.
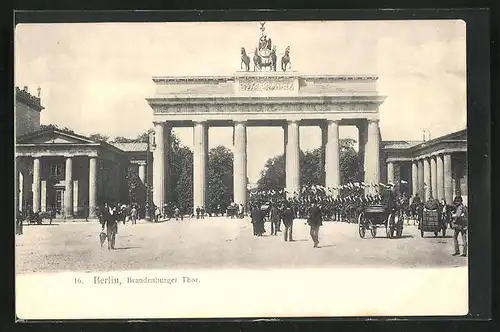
[{"x": 220, "y": 242}]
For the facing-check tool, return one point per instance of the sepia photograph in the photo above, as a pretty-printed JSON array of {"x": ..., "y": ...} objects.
[{"x": 241, "y": 169}]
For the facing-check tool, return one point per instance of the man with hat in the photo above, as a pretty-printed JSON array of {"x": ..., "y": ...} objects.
[
  {"x": 288, "y": 216},
  {"x": 459, "y": 225},
  {"x": 315, "y": 220}
]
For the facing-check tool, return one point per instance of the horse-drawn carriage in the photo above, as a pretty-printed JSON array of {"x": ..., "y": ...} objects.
[
  {"x": 378, "y": 216},
  {"x": 433, "y": 221},
  {"x": 38, "y": 217}
]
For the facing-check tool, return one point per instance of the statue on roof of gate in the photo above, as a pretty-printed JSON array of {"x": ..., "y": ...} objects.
[{"x": 265, "y": 53}]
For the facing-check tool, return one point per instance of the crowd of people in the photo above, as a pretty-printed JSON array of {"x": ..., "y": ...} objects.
[
  {"x": 316, "y": 204},
  {"x": 313, "y": 203}
]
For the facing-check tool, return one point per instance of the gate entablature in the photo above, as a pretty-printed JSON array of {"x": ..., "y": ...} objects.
[{"x": 278, "y": 95}]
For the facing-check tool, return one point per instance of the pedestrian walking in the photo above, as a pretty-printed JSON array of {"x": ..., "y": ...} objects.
[
  {"x": 133, "y": 215},
  {"x": 157, "y": 213},
  {"x": 315, "y": 221},
  {"x": 111, "y": 224},
  {"x": 274, "y": 217},
  {"x": 288, "y": 216}
]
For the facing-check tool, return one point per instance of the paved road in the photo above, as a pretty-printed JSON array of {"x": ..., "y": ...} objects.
[{"x": 222, "y": 243}]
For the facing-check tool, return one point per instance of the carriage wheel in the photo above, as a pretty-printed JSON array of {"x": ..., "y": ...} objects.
[
  {"x": 388, "y": 228},
  {"x": 361, "y": 225},
  {"x": 373, "y": 230}
]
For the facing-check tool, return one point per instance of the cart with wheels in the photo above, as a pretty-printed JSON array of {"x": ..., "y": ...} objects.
[
  {"x": 378, "y": 216},
  {"x": 433, "y": 222}
]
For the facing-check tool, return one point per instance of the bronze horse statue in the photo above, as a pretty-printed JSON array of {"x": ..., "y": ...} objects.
[
  {"x": 273, "y": 59},
  {"x": 257, "y": 61},
  {"x": 245, "y": 59},
  {"x": 285, "y": 59}
]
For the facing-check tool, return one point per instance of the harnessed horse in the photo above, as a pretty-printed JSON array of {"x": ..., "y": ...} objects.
[
  {"x": 245, "y": 59},
  {"x": 285, "y": 59}
]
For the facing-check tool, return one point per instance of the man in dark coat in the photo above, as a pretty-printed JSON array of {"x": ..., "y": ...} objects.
[
  {"x": 288, "y": 216},
  {"x": 315, "y": 220},
  {"x": 257, "y": 218},
  {"x": 111, "y": 223},
  {"x": 275, "y": 217}
]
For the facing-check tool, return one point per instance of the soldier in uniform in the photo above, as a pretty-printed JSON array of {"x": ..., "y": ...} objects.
[{"x": 459, "y": 225}]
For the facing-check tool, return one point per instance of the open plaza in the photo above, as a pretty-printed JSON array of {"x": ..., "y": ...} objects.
[{"x": 221, "y": 242}]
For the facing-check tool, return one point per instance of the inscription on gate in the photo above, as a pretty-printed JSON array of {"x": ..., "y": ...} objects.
[{"x": 267, "y": 85}]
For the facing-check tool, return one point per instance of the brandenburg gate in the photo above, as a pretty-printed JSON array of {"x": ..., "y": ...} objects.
[{"x": 265, "y": 98}]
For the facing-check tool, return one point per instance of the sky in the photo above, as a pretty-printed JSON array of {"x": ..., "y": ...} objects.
[{"x": 95, "y": 77}]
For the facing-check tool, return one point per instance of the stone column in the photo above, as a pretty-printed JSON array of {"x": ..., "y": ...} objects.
[
  {"x": 92, "y": 187},
  {"x": 414, "y": 177},
  {"x": 159, "y": 165},
  {"x": 292, "y": 159},
  {"x": 167, "y": 134},
  {"x": 68, "y": 188},
  {"x": 427, "y": 179},
  {"x": 199, "y": 164},
  {"x": 43, "y": 196},
  {"x": 421, "y": 191},
  {"x": 440, "y": 178},
  {"x": 372, "y": 154},
  {"x": 433, "y": 192},
  {"x": 206, "y": 154},
  {"x": 20, "y": 190},
  {"x": 142, "y": 173},
  {"x": 36, "y": 184},
  {"x": 324, "y": 141},
  {"x": 332, "y": 158},
  {"x": 448, "y": 180},
  {"x": 390, "y": 172},
  {"x": 362, "y": 134},
  {"x": 240, "y": 163}
]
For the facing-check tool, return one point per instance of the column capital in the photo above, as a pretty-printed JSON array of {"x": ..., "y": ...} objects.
[
  {"x": 292, "y": 122},
  {"x": 376, "y": 121},
  {"x": 200, "y": 122},
  {"x": 239, "y": 122},
  {"x": 362, "y": 123},
  {"x": 337, "y": 122}
]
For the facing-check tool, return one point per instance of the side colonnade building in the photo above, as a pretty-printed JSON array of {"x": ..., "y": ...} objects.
[
  {"x": 285, "y": 99},
  {"x": 58, "y": 169},
  {"x": 434, "y": 168}
]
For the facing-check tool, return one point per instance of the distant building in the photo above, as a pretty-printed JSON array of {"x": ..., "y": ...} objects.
[
  {"x": 436, "y": 167},
  {"x": 27, "y": 112},
  {"x": 98, "y": 172}
]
